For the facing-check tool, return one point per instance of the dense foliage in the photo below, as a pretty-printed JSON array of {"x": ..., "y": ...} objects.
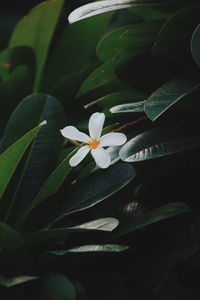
[{"x": 130, "y": 231}]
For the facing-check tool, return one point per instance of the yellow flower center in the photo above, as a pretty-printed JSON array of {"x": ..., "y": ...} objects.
[{"x": 93, "y": 144}]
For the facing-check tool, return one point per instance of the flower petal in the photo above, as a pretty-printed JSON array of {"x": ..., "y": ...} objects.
[
  {"x": 101, "y": 157},
  {"x": 79, "y": 156},
  {"x": 72, "y": 133},
  {"x": 113, "y": 139},
  {"x": 96, "y": 124}
]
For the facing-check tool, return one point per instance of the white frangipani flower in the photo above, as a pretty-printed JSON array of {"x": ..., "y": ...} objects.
[{"x": 95, "y": 142}]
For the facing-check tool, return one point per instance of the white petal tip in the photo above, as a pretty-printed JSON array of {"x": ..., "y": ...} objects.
[
  {"x": 104, "y": 167},
  {"x": 72, "y": 165},
  {"x": 43, "y": 123}
]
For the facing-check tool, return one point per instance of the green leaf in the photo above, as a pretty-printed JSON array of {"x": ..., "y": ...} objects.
[
  {"x": 8, "y": 282},
  {"x": 95, "y": 188},
  {"x": 11, "y": 157},
  {"x": 103, "y": 75},
  {"x": 52, "y": 184},
  {"x": 80, "y": 292},
  {"x": 150, "y": 217},
  {"x": 175, "y": 34},
  {"x": 37, "y": 107},
  {"x": 67, "y": 87},
  {"x": 36, "y": 31},
  {"x": 99, "y": 7},
  {"x": 15, "y": 86},
  {"x": 195, "y": 45},
  {"x": 104, "y": 80},
  {"x": 170, "y": 93},
  {"x": 45, "y": 150},
  {"x": 53, "y": 286},
  {"x": 158, "y": 142},
  {"x": 76, "y": 51},
  {"x": 148, "y": 13},
  {"x": 104, "y": 224},
  {"x": 11, "y": 58},
  {"x": 128, "y": 107},
  {"x": 137, "y": 37},
  {"x": 116, "y": 98},
  {"x": 10, "y": 240},
  {"x": 91, "y": 249}
]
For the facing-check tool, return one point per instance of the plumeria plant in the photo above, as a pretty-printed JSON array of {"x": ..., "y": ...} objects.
[{"x": 123, "y": 223}]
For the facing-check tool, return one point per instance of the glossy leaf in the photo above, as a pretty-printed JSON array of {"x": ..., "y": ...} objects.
[
  {"x": 8, "y": 282},
  {"x": 158, "y": 142},
  {"x": 44, "y": 107},
  {"x": 195, "y": 45},
  {"x": 128, "y": 108},
  {"x": 150, "y": 217},
  {"x": 91, "y": 249},
  {"x": 95, "y": 188},
  {"x": 53, "y": 286},
  {"x": 45, "y": 150},
  {"x": 12, "y": 156},
  {"x": 112, "y": 99},
  {"x": 175, "y": 34},
  {"x": 170, "y": 93},
  {"x": 104, "y": 224},
  {"x": 137, "y": 37},
  {"x": 68, "y": 48},
  {"x": 52, "y": 184},
  {"x": 36, "y": 30},
  {"x": 100, "y": 7}
]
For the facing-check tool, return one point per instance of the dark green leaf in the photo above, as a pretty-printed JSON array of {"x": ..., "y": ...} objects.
[
  {"x": 91, "y": 249},
  {"x": 148, "y": 13},
  {"x": 45, "y": 107},
  {"x": 10, "y": 240},
  {"x": 104, "y": 224},
  {"x": 53, "y": 183},
  {"x": 195, "y": 45},
  {"x": 170, "y": 93},
  {"x": 139, "y": 37},
  {"x": 66, "y": 88},
  {"x": 99, "y": 7},
  {"x": 158, "y": 142},
  {"x": 80, "y": 292},
  {"x": 45, "y": 150},
  {"x": 102, "y": 76},
  {"x": 96, "y": 187},
  {"x": 175, "y": 35},
  {"x": 15, "y": 86},
  {"x": 11, "y": 157},
  {"x": 11, "y": 58},
  {"x": 36, "y": 30},
  {"x": 117, "y": 98},
  {"x": 53, "y": 286},
  {"x": 157, "y": 214},
  {"x": 76, "y": 51}
]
